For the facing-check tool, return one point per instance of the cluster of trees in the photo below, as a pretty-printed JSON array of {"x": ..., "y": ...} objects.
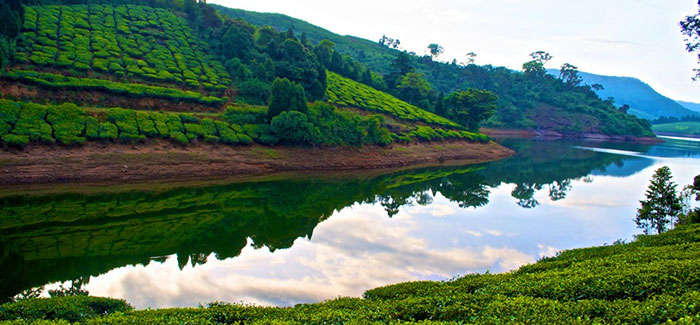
[
  {"x": 663, "y": 204},
  {"x": 292, "y": 121},
  {"x": 672, "y": 119},
  {"x": 254, "y": 57}
]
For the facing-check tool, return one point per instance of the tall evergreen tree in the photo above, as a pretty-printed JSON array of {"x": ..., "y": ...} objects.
[{"x": 662, "y": 203}]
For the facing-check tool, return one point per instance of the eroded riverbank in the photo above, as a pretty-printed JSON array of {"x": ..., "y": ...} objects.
[{"x": 159, "y": 160}]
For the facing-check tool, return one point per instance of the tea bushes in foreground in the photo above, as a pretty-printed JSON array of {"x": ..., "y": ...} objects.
[
  {"x": 70, "y": 308},
  {"x": 650, "y": 281}
]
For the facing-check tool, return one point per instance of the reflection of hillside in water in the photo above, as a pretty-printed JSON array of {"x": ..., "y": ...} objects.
[{"x": 60, "y": 237}]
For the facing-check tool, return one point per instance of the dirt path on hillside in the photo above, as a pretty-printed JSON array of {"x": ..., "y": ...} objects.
[{"x": 160, "y": 160}]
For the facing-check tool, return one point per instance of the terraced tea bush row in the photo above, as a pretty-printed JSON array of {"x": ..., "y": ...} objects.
[
  {"x": 346, "y": 92},
  {"x": 52, "y": 80},
  {"x": 126, "y": 41},
  {"x": 68, "y": 124},
  {"x": 650, "y": 281},
  {"x": 426, "y": 133}
]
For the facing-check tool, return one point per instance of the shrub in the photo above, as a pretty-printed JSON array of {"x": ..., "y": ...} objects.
[
  {"x": 68, "y": 123},
  {"x": 19, "y": 141},
  {"x": 32, "y": 123},
  {"x": 125, "y": 120},
  {"x": 286, "y": 96},
  {"x": 70, "y": 308},
  {"x": 146, "y": 125},
  {"x": 108, "y": 131},
  {"x": 226, "y": 134},
  {"x": 92, "y": 128},
  {"x": 294, "y": 127}
]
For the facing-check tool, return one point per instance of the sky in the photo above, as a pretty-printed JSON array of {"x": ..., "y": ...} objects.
[{"x": 634, "y": 38}]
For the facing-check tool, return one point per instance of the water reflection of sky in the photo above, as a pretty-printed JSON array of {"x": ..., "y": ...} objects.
[{"x": 359, "y": 247}]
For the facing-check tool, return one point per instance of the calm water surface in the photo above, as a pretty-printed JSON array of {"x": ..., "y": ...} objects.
[{"x": 315, "y": 238}]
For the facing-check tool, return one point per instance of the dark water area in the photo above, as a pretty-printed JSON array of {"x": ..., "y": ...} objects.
[{"x": 307, "y": 239}]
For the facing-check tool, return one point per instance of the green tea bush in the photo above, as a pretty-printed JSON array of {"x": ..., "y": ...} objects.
[
  {"x": 125, "y": 120},
  {"x": 32, "y": 123},
  {"x": 108, "y": 131},
  {"x": 346, "y": 92},
  {"x": 57, "y": 81},
  {"x": 71, "y": 308},
  {"x": 18, "y": 141},
  {"x": 68, "y": 123},
  {"x": 127, "y": 42}
]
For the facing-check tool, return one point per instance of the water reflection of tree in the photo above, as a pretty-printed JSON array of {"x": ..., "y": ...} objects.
[{"x": 98, "y": 232}]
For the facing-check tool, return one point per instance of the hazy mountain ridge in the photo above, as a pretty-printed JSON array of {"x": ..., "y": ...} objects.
[
  {"x": 691, "y": 106},
  {"x": 644, "y": 101}
]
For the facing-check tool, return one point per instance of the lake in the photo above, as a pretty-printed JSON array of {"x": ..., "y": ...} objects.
[{"x": 307, "y": 238}]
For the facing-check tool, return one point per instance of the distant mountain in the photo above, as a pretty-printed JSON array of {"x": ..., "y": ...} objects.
[
  {"x": 645, "y": 102},
  {"x": 691, "y": 106}
]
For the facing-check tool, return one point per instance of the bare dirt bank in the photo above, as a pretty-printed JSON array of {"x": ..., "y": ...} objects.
[{"x": 156, "y": 160}]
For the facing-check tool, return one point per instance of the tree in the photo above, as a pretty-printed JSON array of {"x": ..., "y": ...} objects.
[
  {"x": 689, "y": 214},
  {"x": 690, "y": 28},
  {"x": 569, "y": 74},
  {"x": 534, "y": 68},
  {"x": 286, "y": 96},
  {"x": 597, "y": 87},
  {"x": 435, "y": 50},
  {"x": 471, "y": 57},
  {"x": 470, "y": 107},
  {"x": 541, "y": 57},
  {"x": 624, "y": 108},
  {"x": 324, "y": 52},
  {"x": 413, "y": 87},
  {"x": 389, "y": 42},
  {"x": 662, "y": 203}
]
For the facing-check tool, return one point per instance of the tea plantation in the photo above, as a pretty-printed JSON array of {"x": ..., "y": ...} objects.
[
  {"x": 68, "y": 124},
  {"x": 654, "y": 279},
  {"x": 348, "y": 93},
  {"x": 124, "y": 42}
]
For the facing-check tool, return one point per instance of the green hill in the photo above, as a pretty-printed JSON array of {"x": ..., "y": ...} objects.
[
  {"x": 643, "y": 100},
  {"x": 176, "y": 58},
  {"x": 521, "y": 99}
]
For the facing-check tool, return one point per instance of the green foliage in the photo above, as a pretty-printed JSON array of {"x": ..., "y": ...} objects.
[
  {"x": 293, "y": 127},
  {"x": 127, "y": 43},
  {"x": 51, "y": 80},
  {"x": 685, "y": 128},
  {"x": 70, "y": 308},
  {"x": 471, "y": 107},
  {"x": 286, "y": 96},
  {"x": 32, "y": 123},
  {"x": 68, "y": 123},
  {"x": 345, "y": 92},
  {"x": 662, "y": 203}
]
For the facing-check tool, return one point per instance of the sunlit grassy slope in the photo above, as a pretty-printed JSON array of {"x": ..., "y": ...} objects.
[
  {"x": 346, "y": 92},
  {"x": 689, "y": 128}
]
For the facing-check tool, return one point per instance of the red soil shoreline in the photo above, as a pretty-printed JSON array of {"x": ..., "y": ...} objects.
[{"x": 162, "y": 160}]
